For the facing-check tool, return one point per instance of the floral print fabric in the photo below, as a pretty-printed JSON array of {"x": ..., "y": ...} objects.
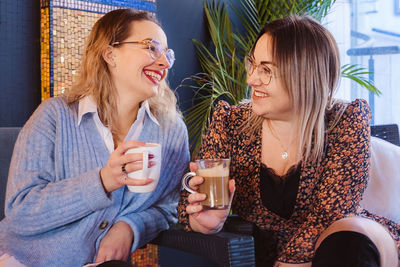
[{"x": 326, "y": 193}]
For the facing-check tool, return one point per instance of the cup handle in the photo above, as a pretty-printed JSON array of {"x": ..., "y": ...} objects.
[
  {"x": 185, "y": 183},
  {"x": 145, "y": 161}
]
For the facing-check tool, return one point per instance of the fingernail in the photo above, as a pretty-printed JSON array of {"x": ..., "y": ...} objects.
[
  {"x": 152, "y": 163},
  {"x": 151, "y": 156}
]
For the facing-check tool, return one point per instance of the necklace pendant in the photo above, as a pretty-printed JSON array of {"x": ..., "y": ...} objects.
[{"x": 284, "y": 155}]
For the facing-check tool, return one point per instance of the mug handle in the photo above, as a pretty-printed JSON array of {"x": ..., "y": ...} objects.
[
  {"x": 185, "y": 183},
  {"x": 145, "y": 161}
]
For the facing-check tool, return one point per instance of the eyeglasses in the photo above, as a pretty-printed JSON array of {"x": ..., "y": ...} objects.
[
  {"x": 263, "y": 71},
  {"x": 155, "y": 48}
]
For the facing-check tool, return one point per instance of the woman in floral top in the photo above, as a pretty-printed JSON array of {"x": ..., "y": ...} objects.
[{"x": 299, "y": 159}]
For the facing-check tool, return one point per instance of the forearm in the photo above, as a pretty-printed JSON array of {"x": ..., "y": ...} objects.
[
  {"x": 147, "y": 224},
  {"x": 42, "y": 205}
]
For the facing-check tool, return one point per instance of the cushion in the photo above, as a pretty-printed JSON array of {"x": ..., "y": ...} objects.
[
  {"x": 8, "y": 135},
  {"x": 382, "y": 195}
]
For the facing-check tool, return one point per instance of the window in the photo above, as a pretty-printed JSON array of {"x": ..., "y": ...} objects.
[{"x": 368, "y": 33}]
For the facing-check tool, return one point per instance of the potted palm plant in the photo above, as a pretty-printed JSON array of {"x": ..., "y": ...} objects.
[{"x": 223, "y": 72}]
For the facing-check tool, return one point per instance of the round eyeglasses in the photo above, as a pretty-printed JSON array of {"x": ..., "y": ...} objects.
[
  {"x": 263, "y": 71},
  {"x": 155, "y": 48}
]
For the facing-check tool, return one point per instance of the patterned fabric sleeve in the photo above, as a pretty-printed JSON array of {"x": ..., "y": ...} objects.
[
  {"x": 215, "y": 145},
  {"x": 345, "y": 171}
]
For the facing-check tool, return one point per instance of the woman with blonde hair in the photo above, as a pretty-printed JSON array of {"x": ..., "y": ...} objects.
[
  {"x": 299, "y": 158},
  {"x": 67, "y": 200}
]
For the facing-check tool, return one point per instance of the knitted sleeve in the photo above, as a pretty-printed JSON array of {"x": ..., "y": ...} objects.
[{"x": 39, "y": 198}]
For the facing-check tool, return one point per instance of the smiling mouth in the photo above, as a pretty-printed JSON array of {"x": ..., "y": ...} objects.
[
  {"x": 153, "y": 76},
  {"x": 259, "y": 94}
]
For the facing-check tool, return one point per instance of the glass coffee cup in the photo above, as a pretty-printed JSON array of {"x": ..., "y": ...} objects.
[{"x": 215, "y": 173}]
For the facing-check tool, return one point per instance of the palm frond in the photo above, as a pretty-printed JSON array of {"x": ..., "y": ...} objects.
[{"x": 356, "y": 74}]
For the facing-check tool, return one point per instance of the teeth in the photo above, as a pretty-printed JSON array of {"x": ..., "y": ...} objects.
[
  {"x": 260, "y": 94},
  {"x": 153, "y": 75}
]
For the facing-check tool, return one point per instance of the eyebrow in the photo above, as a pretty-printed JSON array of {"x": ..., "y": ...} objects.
[
  {"x": 263, "y": 62},
  {"x": 268, "y": 63}
]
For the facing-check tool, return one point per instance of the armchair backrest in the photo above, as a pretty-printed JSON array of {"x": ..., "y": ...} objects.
[
  {"x": 387, "y": 132},
  {"x": 382, "y": 195},
  {"x": 8, "y": 136}
]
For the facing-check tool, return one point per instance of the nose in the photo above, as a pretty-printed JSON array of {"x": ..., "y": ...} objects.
[
  {"x": 163, "y": 62},
  {"x": 253, "y": 79}
]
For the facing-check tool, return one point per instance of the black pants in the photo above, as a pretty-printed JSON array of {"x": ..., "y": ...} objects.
[
  {"x": 346, "y": 249},
  {"x": 340, "y": 249}
]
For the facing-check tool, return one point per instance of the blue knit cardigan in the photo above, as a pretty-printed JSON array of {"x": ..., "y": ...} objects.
[{"x": 55, "y": 201}]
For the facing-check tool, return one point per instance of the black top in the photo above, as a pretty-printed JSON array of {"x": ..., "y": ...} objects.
[{"x": 278, "y": 193}]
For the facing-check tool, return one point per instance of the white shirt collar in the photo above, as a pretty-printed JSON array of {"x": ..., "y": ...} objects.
[
  {"x": 146, "y": 106},
  {"x": 87, "y": 105}
]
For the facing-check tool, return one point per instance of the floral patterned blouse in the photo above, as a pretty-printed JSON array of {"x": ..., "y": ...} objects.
[{"x": 326, "y": 194}]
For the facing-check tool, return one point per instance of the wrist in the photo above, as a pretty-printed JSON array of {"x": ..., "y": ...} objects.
[
  {"x": 103, "y": 182},
  {"x": 197, "y": 227},
  {"x": 124, "y": 228}
]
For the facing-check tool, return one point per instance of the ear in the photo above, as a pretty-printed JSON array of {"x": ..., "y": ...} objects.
[{"x": 108, "y": 56}]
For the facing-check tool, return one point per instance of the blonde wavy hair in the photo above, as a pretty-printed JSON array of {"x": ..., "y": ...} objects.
[
  {"x": 94, "y": 78},
  {"x": 308, "y": 64}
]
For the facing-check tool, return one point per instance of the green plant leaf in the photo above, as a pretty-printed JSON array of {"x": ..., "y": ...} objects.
[{"x": 356, "y": 74}]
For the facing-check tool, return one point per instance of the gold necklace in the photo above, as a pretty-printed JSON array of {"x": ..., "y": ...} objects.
[{"x": 285, "y": 153}]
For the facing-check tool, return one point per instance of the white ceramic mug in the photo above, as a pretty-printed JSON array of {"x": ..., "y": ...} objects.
[{"x": 146, "y": 172}]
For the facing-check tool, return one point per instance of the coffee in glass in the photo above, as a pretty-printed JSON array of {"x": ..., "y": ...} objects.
[{"x": 215, "y": 173}]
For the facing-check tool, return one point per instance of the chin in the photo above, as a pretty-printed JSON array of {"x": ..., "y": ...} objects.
[{"x": 259, "y": 109}]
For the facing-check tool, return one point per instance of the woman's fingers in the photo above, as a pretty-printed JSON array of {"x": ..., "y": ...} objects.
[
  {"x": 138, "y": 165},
  {"x": 194, "y": 209},
  {"x": 120, "y": 163},
  {"x": 195, "y": 181},
  {"x": 195, "y": 198},
  {"x": 131, "y": 157},
  {"x": 194, "y": 203},
  {"x": 232, "y": 188},
  {"x": 193, "y": 167},
  {"x": 133, "y": 181},
  {"x": 125, "y": 146}
]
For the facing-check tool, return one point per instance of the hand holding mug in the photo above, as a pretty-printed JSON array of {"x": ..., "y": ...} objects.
[
  {"x": 150, "y": 169},
  {"x": 114, "y": 174},
  {"x": 210, "y": 218}
]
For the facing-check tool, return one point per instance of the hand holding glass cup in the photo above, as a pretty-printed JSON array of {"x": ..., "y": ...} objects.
[
  {"x": 211, "y": 194},
  {"x": 215, "y": 173}
]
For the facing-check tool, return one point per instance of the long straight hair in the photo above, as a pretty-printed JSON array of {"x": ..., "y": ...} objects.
[
  {"x": 95, "y": 78},
  {"x": 308, "y": 63}
]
